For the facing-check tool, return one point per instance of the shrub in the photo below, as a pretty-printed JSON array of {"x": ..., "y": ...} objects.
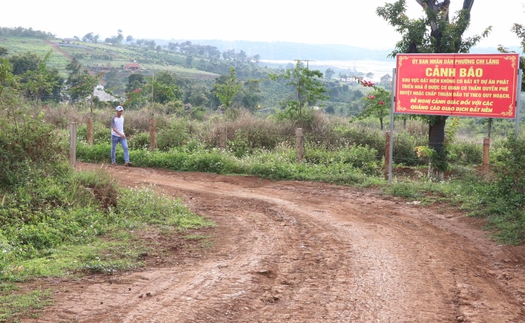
[
  {"x": 101, "y": 133},
  {"x": 502, "y": 199},
  {"x": 466, "y": 153},
  {"x": 510, "y": 171},
  {"x": 29, "y": 146},
  {"x": 404, "y": 149},
  {"x": 97, "y": 153},
  {"x": 175, "y": 135},
  {"x": 139, "y": 141},
  {"x": 360, "y": 136}
]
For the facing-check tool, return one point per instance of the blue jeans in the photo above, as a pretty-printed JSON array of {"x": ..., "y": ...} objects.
[{"x": 114, "y": 141}]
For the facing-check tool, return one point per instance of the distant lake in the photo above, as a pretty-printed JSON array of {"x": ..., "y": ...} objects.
[{"x": 349, "y": 67}]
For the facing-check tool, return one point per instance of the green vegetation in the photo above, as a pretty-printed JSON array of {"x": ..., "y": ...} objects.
[
  {"x": 347, "y": 154},
  {"x": 197, "y": 70},
  {"x": 55, "y": 221},
  {"x": 16, "y": 303}
]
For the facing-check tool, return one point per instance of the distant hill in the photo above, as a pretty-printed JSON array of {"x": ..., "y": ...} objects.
[
  {"x": 319, "y": 52},
  {"x": 291, "y": 51}
]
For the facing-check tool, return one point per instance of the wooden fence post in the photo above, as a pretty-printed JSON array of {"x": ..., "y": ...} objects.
[
  {"x": 486, "y": 149},
  {"x": 90, "y": 130},
  {"x": 223, "y": 138},
  {"x": 387, "y": 156},
  {"x": 299, "y": 144},
  {"x": 152, "y": 140},
  {"x": 73, "y": 144}
]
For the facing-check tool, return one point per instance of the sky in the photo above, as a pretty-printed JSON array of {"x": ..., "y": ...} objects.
[{"x": 327, "y": 22}]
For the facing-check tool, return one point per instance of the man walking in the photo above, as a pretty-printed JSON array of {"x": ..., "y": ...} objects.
[{"x": 118, "y": 136}]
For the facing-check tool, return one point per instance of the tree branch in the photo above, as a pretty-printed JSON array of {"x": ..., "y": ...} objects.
[
  {"x": 421, "y": 3},
  {"x": 467, "y": 5}
]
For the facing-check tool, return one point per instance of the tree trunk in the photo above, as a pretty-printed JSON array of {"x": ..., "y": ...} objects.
[
  {"x": 90, "y": 130},
  {"x": 436, "y": 138},
  {"x": 436, "y": 133}
]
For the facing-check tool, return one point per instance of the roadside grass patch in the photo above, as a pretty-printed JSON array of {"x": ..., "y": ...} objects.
[
  {"x": 353, "y": 166},
  {"x": 358, "y": 166},
  {"x": 14, "y": 303},
  {"x": 147, "y": 205},
  {"x": 93, "y": 227},
  {"x": 205, "y": 241},
  {"x": 104, "y": 255},
  {"x": 508, "y": 227},
  {"x": 108, "y": 246}
]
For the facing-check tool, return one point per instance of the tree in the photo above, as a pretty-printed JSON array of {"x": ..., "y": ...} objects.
[
  {"x": 40, "y": 80},
  {"x": 78, "y": 81},
  {"x": 88, "y": 37},
  {"x": 377, "y": 103},
  {"x": 84, "y": 88},
  {"x": 166, "y": 88},
  {"x": 343, "y": 76},
  {"x": 189, "y": 61},
  {"x": 7, "y": 78},
  {"x": 196, "y": 96},
  {"x": 22, "y": 63},
  {"x": 114, "y": 81},
  {"x": 249, "y": 95},
  {"x": 163, "y": 87},
  {"x": 329, "y": 73},
  {"x": 36, "y": 80},
  {"x": 308, "y": 87},
  {"x": 226, "y": 88},
  {"x": 519, "y": 30},
  {"x": 120, "y": 37},
  {"x": 386, "y": 81},
  {"x": 434, "y": 33}
]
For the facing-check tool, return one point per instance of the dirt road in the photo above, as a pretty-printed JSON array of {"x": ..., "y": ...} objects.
[{"x": 306, "y": 252}]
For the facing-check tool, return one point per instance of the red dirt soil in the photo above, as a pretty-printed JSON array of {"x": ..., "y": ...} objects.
[{"x": 291, "y": 251}]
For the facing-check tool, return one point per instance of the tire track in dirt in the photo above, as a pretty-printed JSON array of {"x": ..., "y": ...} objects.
[{"x": 307, "y": 252}]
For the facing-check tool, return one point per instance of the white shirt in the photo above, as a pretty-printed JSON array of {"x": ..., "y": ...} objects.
[{"x": 117, "y": 123}]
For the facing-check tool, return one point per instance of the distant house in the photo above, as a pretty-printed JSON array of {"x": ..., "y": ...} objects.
[
  {"x": 68, "y": 40},
  {"x": 103, "y": 96},
  {"x": 132, "y": 67}
]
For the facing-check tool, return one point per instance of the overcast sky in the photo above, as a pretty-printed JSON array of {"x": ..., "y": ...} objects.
[{"x": 328, "y": 22}]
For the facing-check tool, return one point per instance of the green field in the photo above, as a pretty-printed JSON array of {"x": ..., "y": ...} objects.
[{"x": 92, "y": 55}]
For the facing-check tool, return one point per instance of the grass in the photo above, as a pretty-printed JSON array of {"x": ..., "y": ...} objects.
[
  {"x": 15, "y": 303},
  {"x": 279, "y": 166},
  {"x": 90, "y": 54},
  {"x": 113, "y": 248},
  {"x": 463, "y": 189},
  {"x": 116, "y": 241},
  {"x": 56, "y": 223},
  {"x": 21, "y": 45},
  {"x": 105, "y": 254},
  {"x": 204, "y": 240}
]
